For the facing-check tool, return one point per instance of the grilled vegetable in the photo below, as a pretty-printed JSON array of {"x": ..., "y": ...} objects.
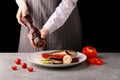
[
  {"x": 45, "y": 60},
  {"x": 72, "y": 53},
  {"x": 55, "y": 61},
  {"x": 67, "y": 59},
  {"x": 59, "y": 57}
]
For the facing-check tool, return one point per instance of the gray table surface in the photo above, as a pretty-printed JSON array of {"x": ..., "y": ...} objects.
[{"x": 109, "y": 71}]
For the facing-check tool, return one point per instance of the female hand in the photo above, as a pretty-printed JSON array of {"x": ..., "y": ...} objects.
[
  {"x": 22, "y": 11},
  {"x": 44, "y": 32},
  {"x": 42, "y": 41}
]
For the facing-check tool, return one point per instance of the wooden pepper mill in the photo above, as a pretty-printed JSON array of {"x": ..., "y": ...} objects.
[{"x": 37, "y": 40}]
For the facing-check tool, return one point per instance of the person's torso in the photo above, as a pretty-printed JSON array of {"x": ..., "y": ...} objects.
[{"x": 41, "y": 10}]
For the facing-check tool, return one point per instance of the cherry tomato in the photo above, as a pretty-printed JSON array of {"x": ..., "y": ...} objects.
[
  {"x": 99, "y": 61},
  {"x": 91, "y": 61},
  {"x": 24, "y": 65},
  {"x": 18, "y": 61},
  {"x": 45, "y": 55},
  {"x": 14, "y": 67},
  {"x": 89, "y": 51},
  {"x": 95, "y": 61},
  {"x": 30, "y": 69},
  {"x": 75, "y": 59}
]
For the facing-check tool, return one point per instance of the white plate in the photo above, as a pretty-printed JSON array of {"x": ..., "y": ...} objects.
[{"x": 35, "y": 58}]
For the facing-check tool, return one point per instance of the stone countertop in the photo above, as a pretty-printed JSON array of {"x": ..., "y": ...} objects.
[{"x": 109, "y": 71}]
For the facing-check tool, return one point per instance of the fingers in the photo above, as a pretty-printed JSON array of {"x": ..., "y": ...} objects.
[
  {"x": 24, "y": 8},
  {"x": 44, "y": 33},
  {"x": 22, "y": 11},
  {"x": 19, "y": 17}
]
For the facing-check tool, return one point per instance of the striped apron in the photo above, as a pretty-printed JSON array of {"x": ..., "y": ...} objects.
[{"x": 68, "y": 36}]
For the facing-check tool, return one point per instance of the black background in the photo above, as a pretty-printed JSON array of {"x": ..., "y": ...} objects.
[{"x": 99, "y": 20}]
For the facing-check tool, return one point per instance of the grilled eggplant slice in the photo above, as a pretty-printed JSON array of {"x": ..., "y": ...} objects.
[{"x": 72, "y": 53}]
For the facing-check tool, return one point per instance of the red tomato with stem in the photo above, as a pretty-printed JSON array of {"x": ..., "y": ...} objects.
[{"x": 89, "y": 51}]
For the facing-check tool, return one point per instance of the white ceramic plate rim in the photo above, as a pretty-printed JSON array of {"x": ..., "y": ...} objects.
[{"x": 35, "y": 58}]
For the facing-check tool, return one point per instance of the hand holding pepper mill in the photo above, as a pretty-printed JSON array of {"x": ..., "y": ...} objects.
[{"x": 36, "y": 40}]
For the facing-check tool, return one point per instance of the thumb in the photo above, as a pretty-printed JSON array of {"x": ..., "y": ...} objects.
[{"x": 44, "y": 33}]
